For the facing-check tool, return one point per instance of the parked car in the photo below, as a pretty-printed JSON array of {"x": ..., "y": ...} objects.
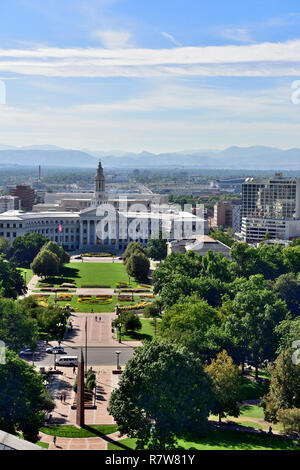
[
  {"x": 77, "y": 257},
  {"x": 26, "y": 352},
  {"x": 55, "y": 350}
]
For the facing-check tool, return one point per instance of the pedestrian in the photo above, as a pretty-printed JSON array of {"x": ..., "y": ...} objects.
[
  {"x": 54, "y": 440},
  {"x": 74, "y": 369},
  {"x": 270, "y": 430},
  {"x": 64, "y": 397},
  {"x": 61, "y": 398}
]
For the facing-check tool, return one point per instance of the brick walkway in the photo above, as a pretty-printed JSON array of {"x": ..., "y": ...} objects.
[{"x": 63, "y": 414}]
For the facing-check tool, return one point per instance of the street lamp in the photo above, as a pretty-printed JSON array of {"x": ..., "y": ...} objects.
[
  {"x": 118, "y": 359},
  {"x": 153, "y": 423},
  {"x": 55, "y": 361}
]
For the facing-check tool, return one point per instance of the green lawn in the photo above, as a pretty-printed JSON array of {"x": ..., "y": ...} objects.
[
  {"x": 91, "y": 273},
  {"x": 96, "y": 308},
  {"x": 27, "y": 274},
  {"x": 72, "y": 431},
  {"x": 252, "y": 411},
  {"x": 251, "y": 391},
  {"x": 222, "y": 440},
  {"x": 45, "y": 445},
  {"x": 147, "y": 331}
]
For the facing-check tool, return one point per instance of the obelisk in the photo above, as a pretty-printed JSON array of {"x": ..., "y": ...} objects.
[{"x": 80, "y": 392}]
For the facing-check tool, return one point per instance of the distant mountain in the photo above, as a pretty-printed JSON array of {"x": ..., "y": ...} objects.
[
  {"x": 64, "y": 158},
  {"x": 256, "y": 157}
]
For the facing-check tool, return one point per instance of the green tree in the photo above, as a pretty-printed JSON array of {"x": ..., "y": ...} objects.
[
  {"x": 132, "y": 248},
  {"x": 25, "y": 248},
  {"x": 252, "y": 324},
  {"x": 22, "y": 397},
  {"x": 129, "y": 321},
  {"x": 137, "y": 266},
  {"x": 12, "y": 283},
  {"x": 165, "y": 383},
  {"x": 17, "y": 328},
  {"x": 226, "y": 379},
  {"x": 4, "y": 245},
  {"x": 290, "y": 419},
  {"x": 288, "y": 331},
  {"x": 154, "y": 311},
  {"x": 45, "y": 264},
  {"x": 287, "y": 287},
  {"x": 284, "y": 392},
  {"x": 157, "y": 248},
  {"x": 58, "y": 251}
]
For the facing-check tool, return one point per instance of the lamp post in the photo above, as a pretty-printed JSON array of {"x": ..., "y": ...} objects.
[
  {"x": 118, "y": 359},
  {"x": 153, "y": 423},
  {"x": 55, "y": 361}
]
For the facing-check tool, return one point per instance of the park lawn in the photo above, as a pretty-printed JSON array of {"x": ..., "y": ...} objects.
[
  {"x": 252, "y": 411},
  {"x": 85, "y": 307},
  {"x": 27, "y": 274},
  {"x": 222, "y": 440},
  {"x": 250, "y": 390},
  {"x": 74, "y": 432},
  {"x": 44, "y": 445},
  {"x": 90, "y": 273},
  {"x": 146, "y": 333}
]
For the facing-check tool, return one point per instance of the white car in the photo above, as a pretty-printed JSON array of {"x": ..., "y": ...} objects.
[
  {"x": 26, "y": 352},
  {"x": 55, "y": 350}
]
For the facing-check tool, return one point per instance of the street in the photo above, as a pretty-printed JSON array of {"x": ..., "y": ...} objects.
[{"x": 97, "y": 356}]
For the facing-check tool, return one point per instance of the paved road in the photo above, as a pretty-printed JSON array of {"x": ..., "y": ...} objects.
[{"x": 97, "y": 356}]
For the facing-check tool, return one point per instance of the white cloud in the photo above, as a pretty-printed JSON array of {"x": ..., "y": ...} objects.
[
  {"x": 172, "y": 39},
  {"x": 264, "y": 59},
  {"x": 236, "y": 34},
  {"x": 113, "y": 39}
]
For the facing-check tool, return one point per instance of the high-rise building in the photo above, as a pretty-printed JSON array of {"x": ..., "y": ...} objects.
[
  {"x": 227, "y": 214},
  {"x": 271, "y": 205},
  {"x": 9, "y": 203},
  {"x": 26, "y": 196}
]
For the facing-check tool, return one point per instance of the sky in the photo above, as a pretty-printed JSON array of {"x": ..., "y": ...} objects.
[{"x": 159, "y": 75}]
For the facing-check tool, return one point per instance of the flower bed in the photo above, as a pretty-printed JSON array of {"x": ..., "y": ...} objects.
[
  {"x": 64, "y": 297},
  {"x": 95, "y": 286},
  {"x": 139, "y": 306}
]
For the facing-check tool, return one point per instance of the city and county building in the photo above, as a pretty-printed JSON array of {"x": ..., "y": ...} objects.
[
  {"x": 270, "y": 205},
  {"x": 108, "y": 225}
]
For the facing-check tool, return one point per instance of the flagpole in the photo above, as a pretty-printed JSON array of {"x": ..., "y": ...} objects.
[{"x": 86, "y": 346}]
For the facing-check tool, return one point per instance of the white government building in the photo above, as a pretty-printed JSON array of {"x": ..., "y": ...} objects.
[{"x": 108, "y": 225}]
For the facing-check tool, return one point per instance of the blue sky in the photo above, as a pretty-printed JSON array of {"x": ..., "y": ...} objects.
[{"x": 149, "y": 75}]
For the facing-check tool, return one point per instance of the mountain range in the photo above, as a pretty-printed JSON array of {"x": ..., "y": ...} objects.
[{"x": 255, "y": 157}]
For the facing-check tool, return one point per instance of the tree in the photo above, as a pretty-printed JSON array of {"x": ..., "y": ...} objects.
[
  {"x": 137, "y": 266},
  {"x": 153, "y": 311},
  {"x": 22, "y": 397},
  {"x": 252, "y": 322},
  {"x": 165, "y": 384},
  {"x": 58, "y": 251},
  {"x": 129, "y": 320},
  {"x": 17, "y": 327},
  {"x": 290, "y": 419},
  {"x": 288, "y": 331},
  {"x": 4, "y": 245},
  {"x": 25, "y": 248},
  {"x": 287, "y": 287},
  {"x": 12, "y": 283},
  {"x": 226, "y": 379},
  {"x": 157, "y": 248},
  {"x": 187, "y": 322},
  {"x": 45, "y": 264},
  {"x": 284, "y": 392},
  {"x": 132, "y": 248}
]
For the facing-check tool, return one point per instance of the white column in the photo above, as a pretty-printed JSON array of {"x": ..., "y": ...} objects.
[{"x": 88, "y": 233}]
